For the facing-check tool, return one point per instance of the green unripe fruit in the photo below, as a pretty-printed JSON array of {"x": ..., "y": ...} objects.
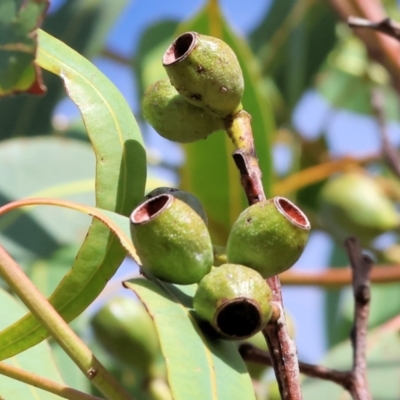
[
  {"x": 126, "y": 330},
  {"x": 354, "y": 204},
  {"x": 186, "y": 197},
  {"x": 268, "y": 236},
  {"x": 235, "y": 300},
  {"x": 174, "y": 118},
  {"x": 206, "y": 71},
  {"x": 171, "y": 240}
]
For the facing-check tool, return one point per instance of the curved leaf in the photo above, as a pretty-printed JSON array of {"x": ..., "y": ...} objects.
[
  {"x": 38, "y": 359},
  {"x": 199, "y": 366},
  {"x": 209, "y": 171},
  {"x": 120, "y": 181},
  {"x": 118, "y": 224},
  {"x": 82, "y": 25}
]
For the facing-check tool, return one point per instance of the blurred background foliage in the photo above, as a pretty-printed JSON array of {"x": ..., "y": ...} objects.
[{"x": 309, "y": 83}]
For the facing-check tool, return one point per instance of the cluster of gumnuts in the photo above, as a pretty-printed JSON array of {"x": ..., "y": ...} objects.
[{"x": 169, "y": 227}]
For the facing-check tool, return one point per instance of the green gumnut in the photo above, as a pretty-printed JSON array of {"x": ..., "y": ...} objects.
[
  {"x": 206, "y": 71},
  {"x": 268, "y": 236},
  {"x": 174, "y": 118},
  {"x": 186, "y": 197},
  {"x": 126, "y": 330},
  {"x": 353, "y": 204},
  {"x": 171, "y": 240},
  {"x": 235, "y": 300}
]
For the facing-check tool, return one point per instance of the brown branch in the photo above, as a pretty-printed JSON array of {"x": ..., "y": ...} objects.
[
  {"x": 381, "y": 48},
  {"x": 361, "y": 266},
  {"x": 390, "y": 154},
  {"x": 338, "y": 277},
  {"x": 256, "y": 355},
  {"x": 387, "y": 26},
  {"x": 280, "y": 345}
]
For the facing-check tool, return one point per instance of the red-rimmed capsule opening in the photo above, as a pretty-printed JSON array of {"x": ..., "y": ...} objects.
[
  {"x": 238, "y": 318},
  {"x": 292, "y": 212},
  {"x": 151, "y": 208},
  {"x": 180, "y": 48}
]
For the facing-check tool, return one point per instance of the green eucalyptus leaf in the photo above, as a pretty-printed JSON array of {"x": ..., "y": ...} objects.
[
  {"x": 292, "y": 41},
  {"x": 82, "y": 25},
  {"x": 46, "y": 274},
  {"x": 199, "y": 366},
  {"x": 120, "y": 181},
  {"x": 18, "y": 22},
  {"x": 209, "y": 171}
]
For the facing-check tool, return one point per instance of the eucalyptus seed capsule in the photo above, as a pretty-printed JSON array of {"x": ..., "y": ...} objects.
[
  {"x": 206, "y": 71},
  {"x": 269, "y": 236},
  {"x": 235, "y": 300},
  {"x": 171, "y": 240}
]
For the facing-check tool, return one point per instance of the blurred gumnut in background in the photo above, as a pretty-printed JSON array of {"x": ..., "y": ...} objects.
[
  {"x": 127, "y": 332},
  {"x": 355, "y": 204}
]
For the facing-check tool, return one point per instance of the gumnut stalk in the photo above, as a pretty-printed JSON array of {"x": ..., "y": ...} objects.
[
  {"x": 206, "y": 71},
  {"x": 354, "y": 204},
  {"x": 235, "y": 300},
  {"x": 171, "y": 240},
  {"x": 186, "y": 197},
  {"x": 269, "y": 236}
]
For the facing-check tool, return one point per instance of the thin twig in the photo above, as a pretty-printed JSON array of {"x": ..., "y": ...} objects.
[
  {"x": 361, "y": 266},
  {"x": 387, "y": 26},
  {"x": 338, "y": 277},
  {"x": 256, "y": 355},
  {"x": 390, "y": 154},
  {"x": 281, "y": 346},
  {"x": 43, "y": 383},
  {"x": 380, "y": 47}
]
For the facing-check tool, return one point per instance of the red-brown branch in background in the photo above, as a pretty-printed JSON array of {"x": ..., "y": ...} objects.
[{"x": 380, "y": 46}]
